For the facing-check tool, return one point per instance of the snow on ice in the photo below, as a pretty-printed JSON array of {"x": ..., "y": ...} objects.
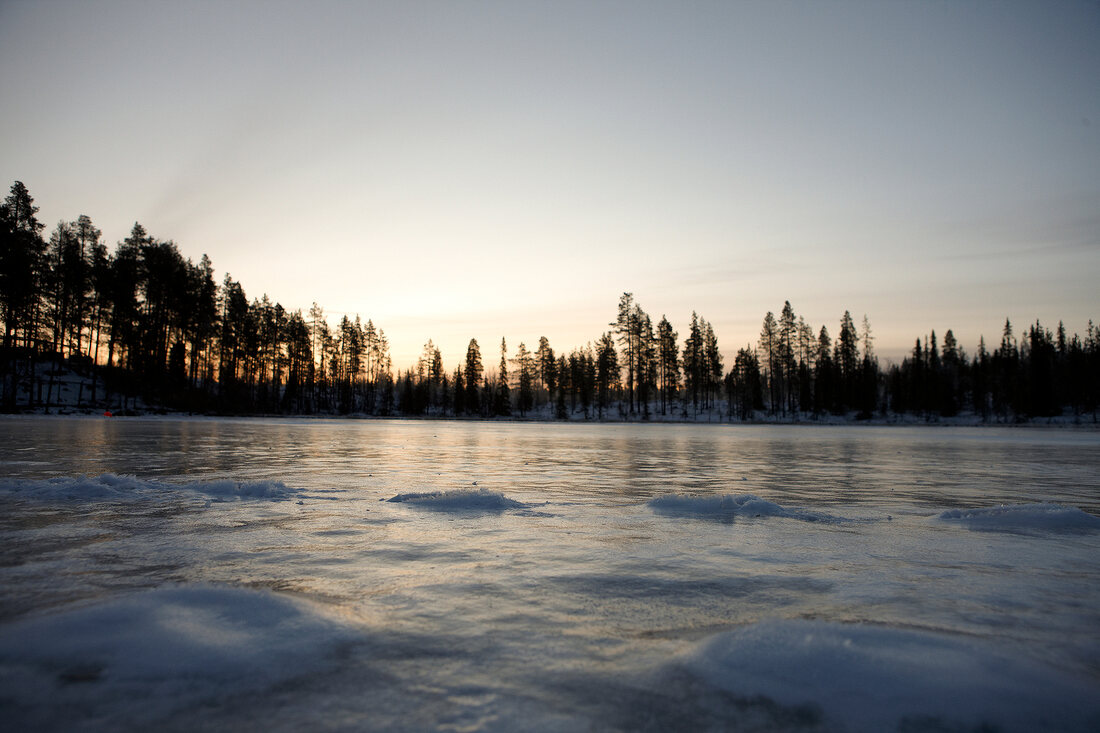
[
  {"x": 109, "y": 487},
  {"x": 1023, "y": 517},
  {"x": 171, "y": 648},
  {"x": 874, "y": 678},
  {"x": 460, "y": 500},
  {"x": 728, "y": 506}
]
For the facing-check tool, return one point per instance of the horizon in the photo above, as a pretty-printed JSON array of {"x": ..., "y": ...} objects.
[{"x": 481, "y": 171}]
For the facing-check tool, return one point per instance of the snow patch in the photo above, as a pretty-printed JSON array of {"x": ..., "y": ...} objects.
[
  {"x": 460, "y": 500},
  {"x": 727, "y": 507},
  {"x": 1022, "y": 517},
  {"x": 109, "y": 487},
  {"x": 873, "y": 678},
  {"x": 230, "y": 490},
  {"x": 172, "y": 648}
]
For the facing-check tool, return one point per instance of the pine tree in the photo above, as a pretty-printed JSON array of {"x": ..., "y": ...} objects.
[
  {"x": 564, "y": 387},
  {"x": 548, "y": 367},
  {"x": 824, "y": 374},
  {"x": 950, "y": 381},
  {"x": 713, "y": 362},
  {"x": 769, "y": 347},
  {"x": 868, "y": 373},
  {"x": 78, "y": 274},
  {"x": 22, "y": 265},
  {"x": 626, "y": 326},
  {"x": 806, "y": 349},
  {"x": 101, "y": 284},
  {"x": 647, "y": 361},
  {"x": 847, "y": 360},
  {"x": 1005, "y": 365},
  {"x": 744, "y": 385},
  {"x": 502, "y": 403},
  {"x": 785, "y": 362},
  {"x": 22, "y": 282},
  {"x": 668, "y": 361}
]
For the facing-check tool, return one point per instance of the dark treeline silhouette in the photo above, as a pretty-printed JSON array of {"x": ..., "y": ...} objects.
[{"x": 145, "y": 328}]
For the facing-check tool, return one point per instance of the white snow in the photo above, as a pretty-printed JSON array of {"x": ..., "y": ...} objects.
[
  {"x": 727, "y": 506},
  {"x": 460, "y": 500},
  {"x": 1017, "y": 517},
  {"x": 873, "y": 678},
  {"x": 170, "y": 648},
  {"x": 109, "y": 487}
]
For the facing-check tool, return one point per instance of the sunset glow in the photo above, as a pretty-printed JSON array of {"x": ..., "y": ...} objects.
[{"x": 509, "y": 169}]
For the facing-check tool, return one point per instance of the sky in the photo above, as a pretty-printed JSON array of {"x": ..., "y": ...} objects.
[{"x": 458, "y": 170}]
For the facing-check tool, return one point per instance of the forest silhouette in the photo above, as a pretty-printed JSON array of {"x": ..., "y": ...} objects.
[{"x": 146, "y": 328}]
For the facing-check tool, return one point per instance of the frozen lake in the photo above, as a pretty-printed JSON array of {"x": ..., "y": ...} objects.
[{"x": 395, "y": 575}]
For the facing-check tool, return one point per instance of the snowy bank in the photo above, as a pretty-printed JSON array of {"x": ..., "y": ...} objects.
[
  {"x": 726, "y": 507},
  {"x": 109, "y": 487},
  {"x": 460, "y": 500},
  {"x": 170, "y": 648},
  {"x": 873, "y": 678},
  {"x": 1023, "y": 517}
]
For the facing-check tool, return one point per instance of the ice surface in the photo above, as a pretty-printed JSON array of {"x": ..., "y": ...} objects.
[
  {"x": 460, "y": 500},
  {"x": 728, "y": 506},
  {"x": 572, "y": 622},
  {"x": 1017, "y": 517},
  {"x": 874, "y": 678},
  {"x": 109, "y": 487},
  {"x": 171, "y": 647}
]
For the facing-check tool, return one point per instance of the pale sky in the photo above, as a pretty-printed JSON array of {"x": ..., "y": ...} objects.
[{"x": 486, "y": 169}]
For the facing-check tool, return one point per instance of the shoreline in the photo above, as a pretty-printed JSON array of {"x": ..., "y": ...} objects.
[{"x": 1062, "y": 422}]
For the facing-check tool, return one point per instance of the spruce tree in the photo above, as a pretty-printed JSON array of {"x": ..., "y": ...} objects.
[
  {"x": 502, "y": 402},
  {"x": 607, "y": 372},
  {"x": 847, "y": 359},
  {"x": 473, "y": 376},
  {"x": 527, "y": 371}
]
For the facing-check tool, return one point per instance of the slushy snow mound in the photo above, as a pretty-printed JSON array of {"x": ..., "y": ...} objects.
[
  {"x": 172, "y": 648},
  {"x": 726, "y": 507},
  {"x": 1023, "y": 517},
  {"x": 109, "y": 487},
  {"x": 460, "y": 500},
  {"x": 874, "y": 678}
]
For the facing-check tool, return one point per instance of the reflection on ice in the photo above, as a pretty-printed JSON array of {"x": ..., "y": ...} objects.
[
  {"x": 1022, "y": 517},
  {"x": 459, "y": 500},
  {"x": 456, "y": 610}
]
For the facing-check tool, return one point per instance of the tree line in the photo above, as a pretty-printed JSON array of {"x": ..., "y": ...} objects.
[{"x": 143, "y": 325}]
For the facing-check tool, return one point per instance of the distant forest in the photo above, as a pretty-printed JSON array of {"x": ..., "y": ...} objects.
[{"x": 146, "y": 328}]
